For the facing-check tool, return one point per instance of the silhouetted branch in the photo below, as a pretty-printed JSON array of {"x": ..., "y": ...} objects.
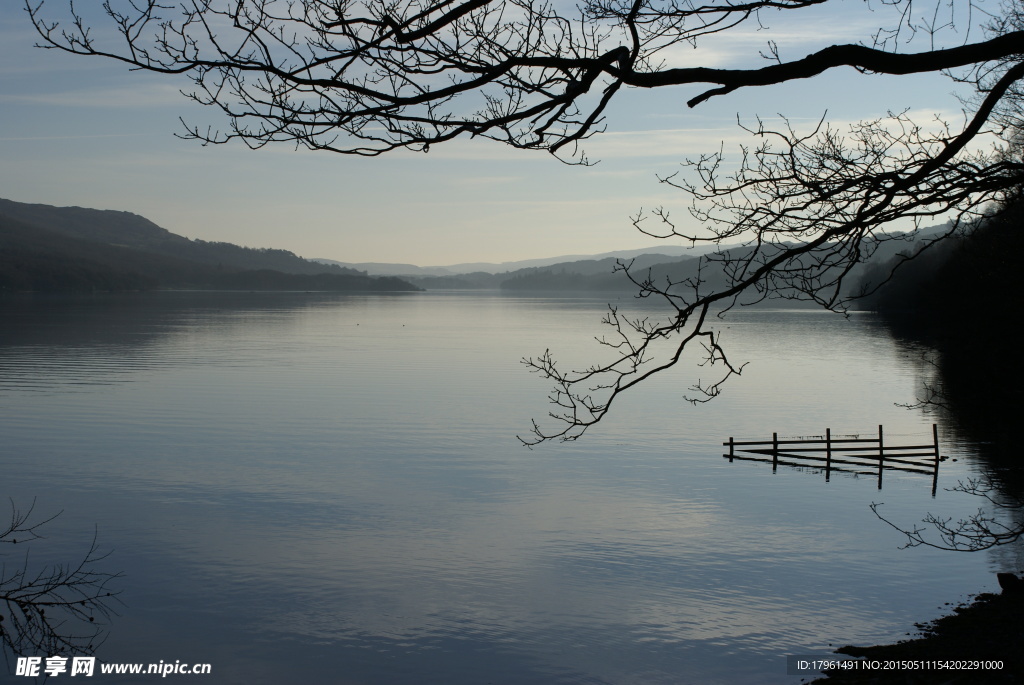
[
  {"x": 808, "y": 209},
  {"x": 57, "y": 609},
  {"x": 365, "y": 77},
  {"x": 973, "y": 533}
]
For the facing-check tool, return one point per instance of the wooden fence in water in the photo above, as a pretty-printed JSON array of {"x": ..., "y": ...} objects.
[{"x": 843, "y": 453}]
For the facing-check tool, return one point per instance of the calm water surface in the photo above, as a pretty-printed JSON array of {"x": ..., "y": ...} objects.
[{"x": 306, "y": 488}]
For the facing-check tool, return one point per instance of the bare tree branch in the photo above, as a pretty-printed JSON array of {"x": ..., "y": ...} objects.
[
  {"x": 979, "y": 531},
  {"x": 365, "y": 77},
  {"x": 53, "y": 609},
  {"x": 810, "y": 208}
]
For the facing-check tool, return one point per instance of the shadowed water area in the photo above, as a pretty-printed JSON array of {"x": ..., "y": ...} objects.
[{"x": 308, "y": 488}]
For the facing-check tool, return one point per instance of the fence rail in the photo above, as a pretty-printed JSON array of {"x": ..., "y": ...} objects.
[{"x": 842, "y": 454}]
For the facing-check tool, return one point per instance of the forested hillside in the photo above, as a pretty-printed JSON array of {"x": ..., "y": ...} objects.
[
  {"x": 964, "y": 299},
  {"x": 51, "y": 249}
]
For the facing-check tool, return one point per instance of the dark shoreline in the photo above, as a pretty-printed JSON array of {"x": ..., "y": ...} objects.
[{"x": 990, "y": 628}]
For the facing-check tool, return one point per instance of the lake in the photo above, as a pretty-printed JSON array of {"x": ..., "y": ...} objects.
[{"x": 318, "y": 488}]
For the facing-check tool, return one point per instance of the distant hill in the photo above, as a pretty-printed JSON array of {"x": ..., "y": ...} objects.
[
  {"x": 45, "y": 248},
  {"x": 583, "y": 275},
  {"x": 592, "y": 274},
  {"x": 475, "y": 268},
  {"x": 597, "y": 273},
  {"x": 34, "y": 259},
  {"x": 601, "y": 275},
  {"x": 71, "y": 248}
]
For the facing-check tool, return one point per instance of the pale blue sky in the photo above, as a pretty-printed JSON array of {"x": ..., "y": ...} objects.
[{"x": 87, "y": 132}]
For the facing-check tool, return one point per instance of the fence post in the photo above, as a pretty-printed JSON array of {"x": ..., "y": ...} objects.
[
  {"x": 731, "y": 446},
  {"x": 881, "y": 456},
  {"x": 775, "y": 452},
  {"x": 935, "y": 476},
  {"x": 828, "y": 453}
]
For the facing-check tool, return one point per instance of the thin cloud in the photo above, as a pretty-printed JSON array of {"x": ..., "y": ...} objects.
[
  {"x": 485, "y": 180},
  {"x": 83, "y": 137},
  {"x": 149, "y": 95}
]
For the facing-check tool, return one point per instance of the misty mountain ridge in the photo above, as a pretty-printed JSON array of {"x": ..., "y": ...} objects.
[
  {"x": 399, "y": 269},
  {"x": 582, "y": 264},
  {"x": 58, "y": 249},
  {"x": 124, "y": 229},
  {"x": 599, "y": 273}
]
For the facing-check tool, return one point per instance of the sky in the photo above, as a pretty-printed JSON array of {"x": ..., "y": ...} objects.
[{"x": 88, "y": 132}]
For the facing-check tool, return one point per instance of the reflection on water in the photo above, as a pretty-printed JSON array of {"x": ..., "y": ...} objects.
[
  {"x": 328, "y": 488},
  {"x": 50, "y": 609}
]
